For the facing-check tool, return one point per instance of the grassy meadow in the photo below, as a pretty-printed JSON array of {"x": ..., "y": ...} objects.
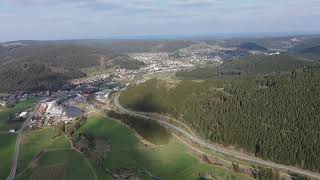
[
  {"x": 59, "y": 164},
  {"x": 170, "y": 161},
  {"x": 44, "y": 156},
  {"x": 7, "y": 143},
  {"x": 7, "y": 113},
  {"x": 35, "y": 141}
]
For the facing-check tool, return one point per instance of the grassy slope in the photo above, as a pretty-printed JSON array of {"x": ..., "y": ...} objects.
[
  {"x": 58, "y": 165},
  {"x": 170, "y": 161},
  {"x": 276, "y": 113},
  {"x": 7, "y": 143},
  {"x": 72, "y": 162},
  {"x": 58, "y": 162},
  {"x": 33, "y": 142},
  {"x": 4, "y": 114}
]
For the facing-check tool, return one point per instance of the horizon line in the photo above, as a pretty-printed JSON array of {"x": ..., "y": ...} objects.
[{"x": 182, "y": 37}]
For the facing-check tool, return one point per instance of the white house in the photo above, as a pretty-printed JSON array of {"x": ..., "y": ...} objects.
[
  {"x": 3, "y": 103},
  {"x": 23, "y": 114}
]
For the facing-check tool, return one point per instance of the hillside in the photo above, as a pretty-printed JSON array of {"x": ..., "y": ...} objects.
[
  {"x": 248, "y": 66},
  {"x": 58, "y": 55},
  {"x": 3, "y": 51},
  {"x": 272, "y": 116},
  {"x": 130, "y": 46},
  {"x": 34, "y": 76},
  {"x": 306, "y": 44},
  {"x": 252, "y": 47},
  {"x": 44, "y": 66},
  {"x": 313, "y": 52},
  {"x": 125, "y": 62},
  {"x": 281, "y": 43},
  {"x": 315, "y": 49}
]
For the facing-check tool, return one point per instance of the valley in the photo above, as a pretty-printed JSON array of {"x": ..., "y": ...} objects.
[{"x": 232, "y": 109}]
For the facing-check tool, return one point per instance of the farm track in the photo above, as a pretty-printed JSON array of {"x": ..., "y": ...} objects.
[{"x": 18, "y": 143}]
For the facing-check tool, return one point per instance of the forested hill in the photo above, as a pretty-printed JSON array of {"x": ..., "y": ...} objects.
[
  {"x": 129, "y": 46},
  {"x": 66, "y": 55},
  {"x": 249, "y": 66},
  {"x": 275, "y": 116},
  {"x": 43, "y": 66},
  {"x": 252, "y": 46},
  {"x": 313, "y": 51}
]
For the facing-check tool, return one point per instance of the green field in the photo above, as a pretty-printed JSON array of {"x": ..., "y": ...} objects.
[
  {"x": 35, "y": 141},
  {"x": 59, "y": 164},
  {"x": 6, "y": 113},
  {"x": 57, "y": 160},
  {"x": 7, "y": 143},
  {"x": 170, "y": 161}
]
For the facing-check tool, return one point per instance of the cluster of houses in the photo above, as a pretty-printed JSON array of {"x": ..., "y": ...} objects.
[
  {"x": 51, "y": 113},
  {"x": 3, "y": 103},
  {"x": 38, "y": 119},
  {"x": 12, "y": 98},
  {"x": 63, "y": 104}
]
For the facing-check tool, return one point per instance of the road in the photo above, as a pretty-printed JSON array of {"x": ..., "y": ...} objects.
[
  {"x": 18, "y": 144},
  {"x": 216, "y": 148},
  {"x": 7, "y": 132}
]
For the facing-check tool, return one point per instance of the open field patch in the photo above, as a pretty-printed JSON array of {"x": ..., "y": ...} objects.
[
  {"x": 129, "y": 156},
  {"x": 36, "y": 141},
  {"x": 7, "y": 115},
  {"x": 58, "y": 164},
  {"x": 7, "y": 143},
  {"x": 55, "y": 172}
]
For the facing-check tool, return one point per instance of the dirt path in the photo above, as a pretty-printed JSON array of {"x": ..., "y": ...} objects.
[
  {"x": 18, "y": 143},
  {"x": 85, "y": 158}
]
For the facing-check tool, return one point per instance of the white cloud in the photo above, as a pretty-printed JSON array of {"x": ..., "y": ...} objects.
[{"x": 84, "y": 17}]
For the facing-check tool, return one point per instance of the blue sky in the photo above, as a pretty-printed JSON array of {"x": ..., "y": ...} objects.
[{"x": 73, "y": 19}]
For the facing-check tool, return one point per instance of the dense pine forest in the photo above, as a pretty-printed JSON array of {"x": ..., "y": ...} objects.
[
  {"x": 34, "y": 76},
  {"x": 44, "y": 66},
  {"x": 274, "y": 116},
  {"x": 50, "y": 66},
  {"x": 125, "y": 62}
]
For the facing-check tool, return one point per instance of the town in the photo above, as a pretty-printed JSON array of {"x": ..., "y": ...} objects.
[
  {"x": 65, "y": 105},
  {"x": 82, "y": 95}
]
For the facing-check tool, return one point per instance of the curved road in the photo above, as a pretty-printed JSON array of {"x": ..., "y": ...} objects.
[
  {"x": 18, "y": 144},
  {"x": 219, "y": 149}
]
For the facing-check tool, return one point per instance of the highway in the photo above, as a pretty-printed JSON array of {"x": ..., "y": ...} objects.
[
  {"x": 18, "y": 144},
  {"x": 216, "y": 148}
]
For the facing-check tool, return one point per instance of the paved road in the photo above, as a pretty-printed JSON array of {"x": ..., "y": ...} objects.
[
  {"x": 18, "y": 144},
  {"x": 235, "y": 154},
  {"x": 7, "y": 132}
]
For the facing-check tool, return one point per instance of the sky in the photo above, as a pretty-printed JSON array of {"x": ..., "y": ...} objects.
[{"x": 94, "y": 19}]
